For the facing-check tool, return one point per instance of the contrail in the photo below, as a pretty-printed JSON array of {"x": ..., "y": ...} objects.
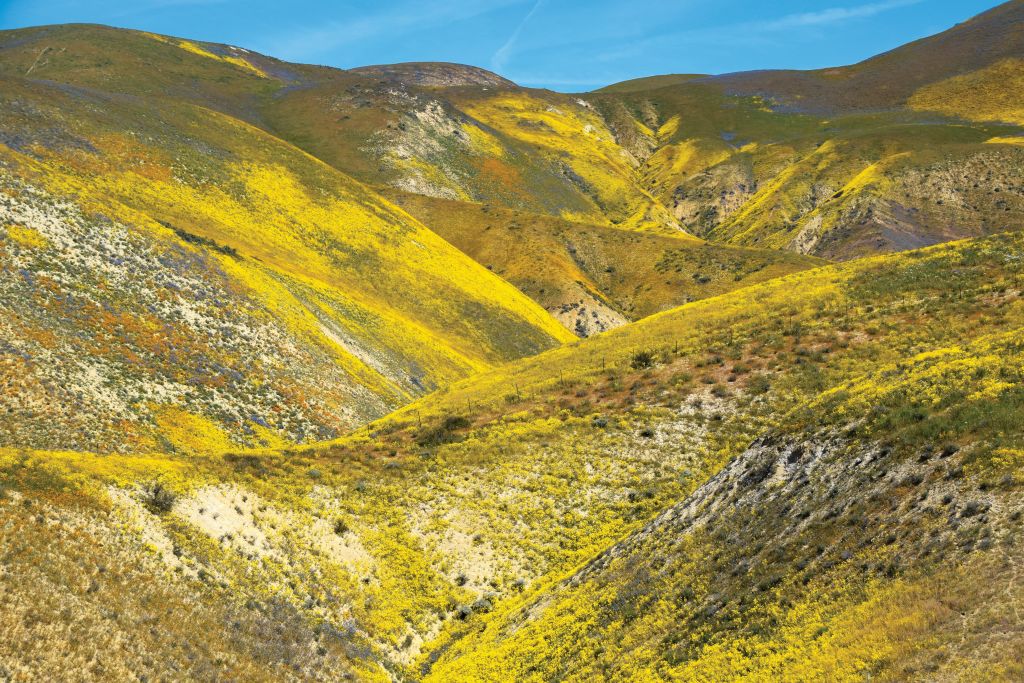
[{"x": 504, "y": 52}]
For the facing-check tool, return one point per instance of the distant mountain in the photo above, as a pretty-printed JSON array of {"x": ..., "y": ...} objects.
[
  {"x": 916, "y": 146},
  {"x": 649, "y": 83},
  {"x": 836, "y": 163},
  {"x": 434, "y": 74},
  {"x": 893, "y": 78},
  {"x": 530, "y": 150}
]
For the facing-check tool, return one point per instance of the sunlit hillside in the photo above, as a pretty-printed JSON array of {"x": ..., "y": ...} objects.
[
  {"x": 839, "y": 163},
  {"x": 747, "y": 171},
  {"x": 176, "y": 278},
  {"x": 489, "y": 141},
  {"x": 594, "y": 278},
  {"x": 424, "y": 541}
]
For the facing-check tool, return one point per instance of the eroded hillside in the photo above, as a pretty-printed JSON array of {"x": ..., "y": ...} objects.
[
  {"x": 744, "y": 170},
  {"x": 421, "y": 543},
  {"x": 175, "y": 277}
]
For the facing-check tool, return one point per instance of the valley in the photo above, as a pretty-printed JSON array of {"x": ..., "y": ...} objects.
[{"x": 408, "y": 373}]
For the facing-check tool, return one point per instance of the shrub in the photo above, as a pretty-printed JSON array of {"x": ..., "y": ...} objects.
[
  {"x": 973, "y": 508},
  {"x": 642, "y": 360},
  {"x": 482, "y": 605},
  {"x": 758, "y": 385},
  {"x": 444, "y": 432},
  {"x": 157, "y": 498}
]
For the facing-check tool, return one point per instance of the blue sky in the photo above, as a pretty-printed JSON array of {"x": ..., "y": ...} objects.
[{"x": 570, "y": 45}]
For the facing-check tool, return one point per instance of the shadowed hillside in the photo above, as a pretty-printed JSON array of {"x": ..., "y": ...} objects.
[{"x": 909, "y": 148}]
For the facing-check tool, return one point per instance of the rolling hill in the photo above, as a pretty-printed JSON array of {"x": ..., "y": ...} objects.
[
  {"x": 607, "y": 498},
  {"x": 837, "y": 163},
  {"x": 909, "y": 148},
  {"x": 384, "y": 125},
  {"x": 408, "y": 373},
  {"x": 174, "y": 277}
]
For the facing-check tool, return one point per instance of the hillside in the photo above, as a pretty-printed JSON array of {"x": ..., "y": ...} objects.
[
  {"x": 907, "y": 149},
  {"x": 434, "y": 74},
  {"x": 650, "y": 429},
  {"x": 734, "y": 171},
  {"x": 892, "y": 79},
  {"x": 160, "y": 264},
  {"x": 384, "y": 125},
  {"x": 913, "y": 147},
  {"x": 408, "y": 373},
  {"x": 594, "y": 278}
]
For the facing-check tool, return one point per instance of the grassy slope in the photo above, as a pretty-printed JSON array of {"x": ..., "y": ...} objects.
[
  {"x": 648, "y": 83},
  {"x": 834, "y": 548},
  {"x": 987, "y": 94},
  {"x": 774, "y": 568},
  {"x": 525, "y": 149},
  {"x": 734, "y": 170},
  {"x": 562, "y": 515},
  {"x": 890, "y": 79},
  {"x": 384, "y": 132},
  {"x": 424, "y": 536},
  {"x": 381, "y": 308},
  {"x": 594, "y": 277}
]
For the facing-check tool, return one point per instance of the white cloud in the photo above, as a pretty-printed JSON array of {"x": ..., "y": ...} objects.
[{"x": 832, "y": 15}]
